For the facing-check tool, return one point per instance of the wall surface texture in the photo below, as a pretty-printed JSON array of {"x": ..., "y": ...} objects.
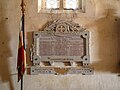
[{"x": 102, "y": 19}]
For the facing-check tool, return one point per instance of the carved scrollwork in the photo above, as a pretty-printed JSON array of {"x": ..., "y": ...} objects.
[{"x": 64, "y": 27}]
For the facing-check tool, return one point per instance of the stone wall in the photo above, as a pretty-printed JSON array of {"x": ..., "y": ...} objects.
[{"x": 102, "y": 19}]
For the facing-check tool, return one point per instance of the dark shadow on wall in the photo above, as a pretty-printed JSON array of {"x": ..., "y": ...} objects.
[
  {"x": 5, "y": 52},
  {"x": 108, "y": 29},
  {"x": 29, "y": 45}
]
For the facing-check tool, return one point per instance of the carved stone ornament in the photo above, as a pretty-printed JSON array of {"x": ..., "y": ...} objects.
[{"x": 62, "y": 47}]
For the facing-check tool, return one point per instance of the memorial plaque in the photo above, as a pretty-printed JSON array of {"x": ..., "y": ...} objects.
[
  {"x": 61, "y": 48},
  {"x": 61, "y": 45}
]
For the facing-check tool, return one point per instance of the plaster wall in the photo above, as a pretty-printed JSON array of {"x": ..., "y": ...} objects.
[{"x": 102, "y": 19}]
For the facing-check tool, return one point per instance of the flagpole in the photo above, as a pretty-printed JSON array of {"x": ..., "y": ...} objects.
[
  {"x": 23, "y": 10},
  {"x": 22, "y": 83}
]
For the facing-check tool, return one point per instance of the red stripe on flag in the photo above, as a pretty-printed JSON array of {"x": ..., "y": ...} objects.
[{"x": 21, "y": 62}]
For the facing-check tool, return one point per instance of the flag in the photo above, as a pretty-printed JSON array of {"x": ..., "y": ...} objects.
[{"x": 21, "y": 62}]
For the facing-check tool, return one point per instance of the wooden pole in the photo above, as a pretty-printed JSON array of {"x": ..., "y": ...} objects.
[{"x": 22, "y": 5}]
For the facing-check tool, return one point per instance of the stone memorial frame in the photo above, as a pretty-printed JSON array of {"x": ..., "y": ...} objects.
[{"x": 62, "y": 47}]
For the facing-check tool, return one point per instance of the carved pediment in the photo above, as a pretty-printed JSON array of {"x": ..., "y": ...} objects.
[{"x": 60, "y": 26}]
